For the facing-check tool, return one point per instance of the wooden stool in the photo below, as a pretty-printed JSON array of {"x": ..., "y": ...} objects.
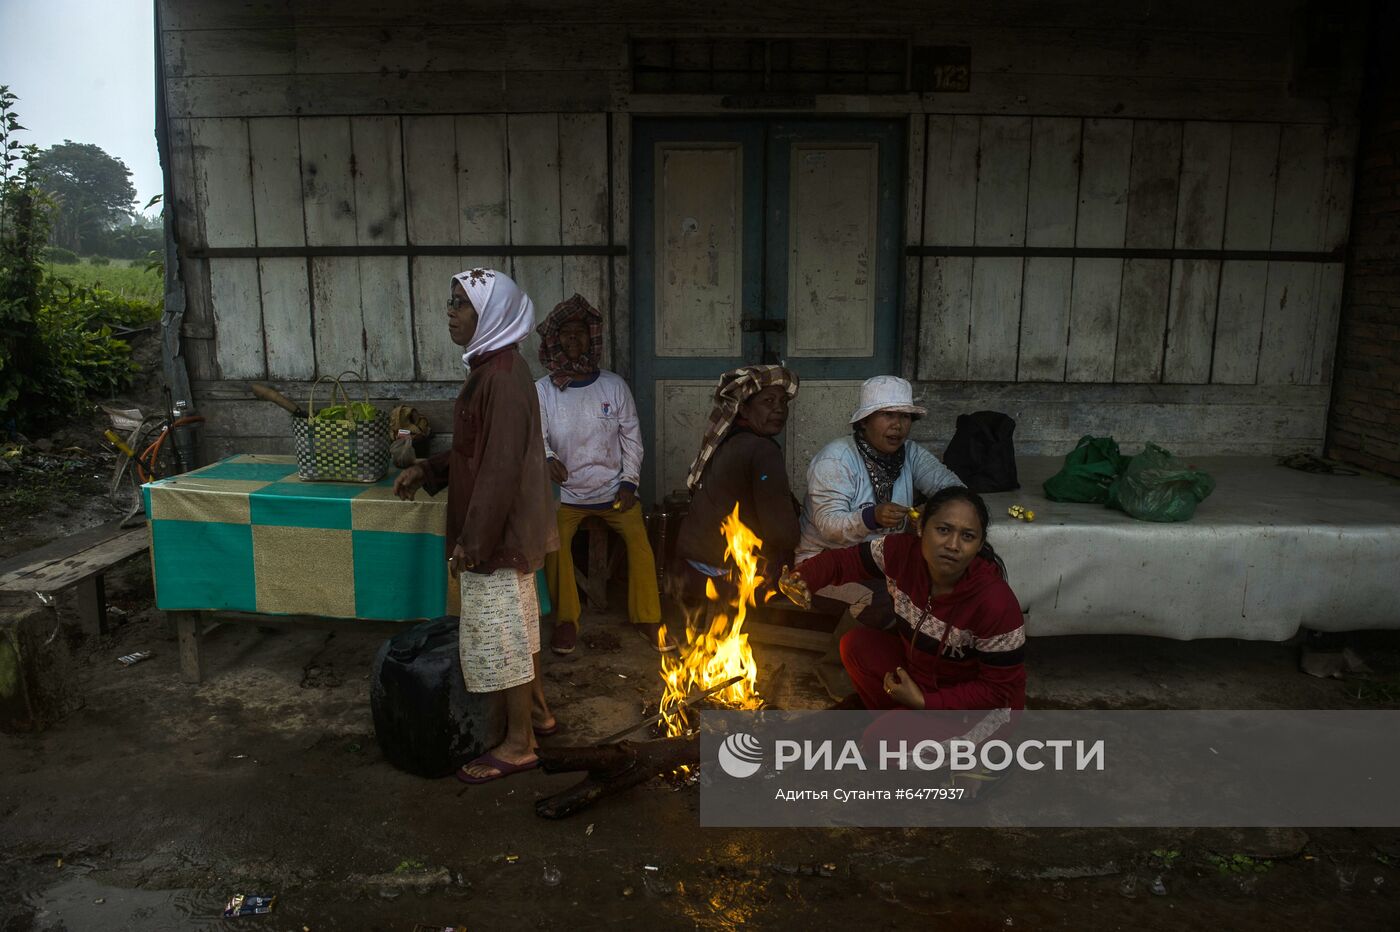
[{"x": 602, "y": 561}]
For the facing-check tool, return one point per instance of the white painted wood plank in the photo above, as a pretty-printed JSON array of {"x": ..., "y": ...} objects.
[
  {"x": 1191, "y": 328},
  {"x": 1105, "y": 160},
  {"x": 1249, "y": 208},
  {"x": 583, "y": 203},
  {"x": 682, "y": 407},
  {"x": 533, "y": 142},
  {"x": 1331, "y": 279},
  {"x": 1290, "y": 306},
  {"x": 379, "y": 186},
  {"x": 286, "y": 311},
  {"x": 1093, "y": 320},
  {"x": 439, "y": 359},
  {"x": 430, "y": 179},
  {"x": 276, "y": 159},
  {"x": 1152, "y": 184},
  {"x": 1003, "y": 175},
  {"x": 1290, "y": 324},
  {"x": 950, "y": 189},
  {"x": 1045, "y": 311},
  {"x": 996, "y": 319},
  {"x": 1205, "y": 175},
  {"x": 1103, "y": 183},
  {"x": 237, "y": 309},
  {"x": 947, "y": 314},
  {"x": 821, "y": 414},
  {"x": 1054, "y": 181},
  {"x": 189, "y": 222},
  {"x": 483, "y": 194},
  {"x": 1299, "y": 221},
  {"x": 1150, "y": 223},
  {"x": 1337, "y": 186},
  {"x": 224, "y": 181},
  {"x": 327, "y": 183},
  {"x": 1249, "y": 221},
  {"x": 1142, "y": 320},
  {"x": 388, "y": 325},
  {"x": 1239, "y": 319},
  {"x": 335, "y": 302}
]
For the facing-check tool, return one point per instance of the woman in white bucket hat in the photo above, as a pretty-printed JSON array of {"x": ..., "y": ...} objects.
[{"x": 861, "y": 487}]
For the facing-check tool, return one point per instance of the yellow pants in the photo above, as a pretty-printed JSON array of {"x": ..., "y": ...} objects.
[{"x": 643, "y": 601}]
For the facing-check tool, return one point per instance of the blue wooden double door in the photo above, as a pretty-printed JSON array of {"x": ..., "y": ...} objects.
[{"x": 761, "y": 240}]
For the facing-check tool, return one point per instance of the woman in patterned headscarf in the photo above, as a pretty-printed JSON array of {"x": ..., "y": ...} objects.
[
  {"x": 500, "y": 521},
  {"x": 740, "y": 463}
]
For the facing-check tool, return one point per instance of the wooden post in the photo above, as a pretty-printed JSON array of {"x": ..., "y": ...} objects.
[
  {"x": 187, "y": 627},
  {"x": 595, "y": 584},
  {"x": 92, "y": 604}
]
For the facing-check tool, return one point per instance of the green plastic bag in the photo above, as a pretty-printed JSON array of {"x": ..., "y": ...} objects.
[
  {"x": 1088, "y": 471},
  {"x": 1156, "y": 486}
]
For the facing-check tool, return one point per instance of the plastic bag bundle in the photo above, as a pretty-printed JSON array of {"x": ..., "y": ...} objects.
[
  {"x": 1156, "y": 486},
  {"x": 1089, "y": 470}
]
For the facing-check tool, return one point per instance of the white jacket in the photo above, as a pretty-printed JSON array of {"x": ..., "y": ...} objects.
[{"x": 838, "y": 510}]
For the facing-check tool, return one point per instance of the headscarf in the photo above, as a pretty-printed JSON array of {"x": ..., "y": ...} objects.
[
  {"x": 735, "y": 387},
  {"x": 504, "y": 313},
  {"x": 884, "y": 468},
  {"x": 562, "y": 370}
]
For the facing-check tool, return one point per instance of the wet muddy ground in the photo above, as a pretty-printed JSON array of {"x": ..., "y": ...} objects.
[{"x": 151, "y": 805}]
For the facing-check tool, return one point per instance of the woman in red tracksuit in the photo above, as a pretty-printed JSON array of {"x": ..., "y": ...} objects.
[{"x": 959, "y": 638}]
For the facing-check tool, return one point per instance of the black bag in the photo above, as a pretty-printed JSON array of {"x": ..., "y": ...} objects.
[
  {"x": 426, "y": 721},
  {"x": 981, "y": 452}
]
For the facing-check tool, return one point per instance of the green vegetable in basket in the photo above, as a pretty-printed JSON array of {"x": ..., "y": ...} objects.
[{"x": 355, "y": 411}]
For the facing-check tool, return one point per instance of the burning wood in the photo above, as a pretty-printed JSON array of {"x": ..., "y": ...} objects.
[{"x": 715, "y": 665}]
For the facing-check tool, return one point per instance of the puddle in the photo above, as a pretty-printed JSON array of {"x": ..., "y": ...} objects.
[{"x": 73, "y": 904}]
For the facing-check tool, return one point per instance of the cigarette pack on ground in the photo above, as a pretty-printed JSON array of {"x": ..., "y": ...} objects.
[{"x": 245, "y": 905}]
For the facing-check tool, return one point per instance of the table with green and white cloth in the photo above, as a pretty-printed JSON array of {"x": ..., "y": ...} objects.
[{"x": 246, "y": 535}]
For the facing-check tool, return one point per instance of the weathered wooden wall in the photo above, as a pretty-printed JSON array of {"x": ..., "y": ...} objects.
[{"x": 1089, "y": 125}]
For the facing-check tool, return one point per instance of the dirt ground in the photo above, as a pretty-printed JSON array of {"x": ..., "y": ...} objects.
[
  {"x": 151, "y": 805},
  {"x": 154, "y": 802}
]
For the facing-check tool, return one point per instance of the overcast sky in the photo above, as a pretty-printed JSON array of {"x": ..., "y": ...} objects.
[{"x": 84, "y": 70}]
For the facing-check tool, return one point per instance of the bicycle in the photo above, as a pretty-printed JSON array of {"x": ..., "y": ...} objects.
[{"x": 144, "y": 455}]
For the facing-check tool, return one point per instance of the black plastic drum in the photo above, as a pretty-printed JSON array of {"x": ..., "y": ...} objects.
[{"x": 426, "y": 721}]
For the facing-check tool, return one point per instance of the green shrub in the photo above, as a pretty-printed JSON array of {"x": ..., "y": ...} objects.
[
  {"x": 60, "y": 256},
  {"x": 99, "y": 260},
  {"x": 79, "y": 356}
]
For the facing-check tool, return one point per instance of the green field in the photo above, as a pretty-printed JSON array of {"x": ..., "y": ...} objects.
[{"x": 130, "y": 280}]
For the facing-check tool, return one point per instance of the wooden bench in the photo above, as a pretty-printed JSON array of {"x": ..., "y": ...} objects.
[
  {"x": 602, "y": 563},
  {"x": 76, "y": 562}
]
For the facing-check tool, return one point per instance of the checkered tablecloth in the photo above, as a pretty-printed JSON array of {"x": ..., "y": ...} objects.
[{"x": 245, "y": 534}]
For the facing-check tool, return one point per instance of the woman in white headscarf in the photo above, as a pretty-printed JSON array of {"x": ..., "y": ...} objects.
[{"x": 500, "y": 520}]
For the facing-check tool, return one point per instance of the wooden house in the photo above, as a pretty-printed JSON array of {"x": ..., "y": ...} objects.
[{"x": 1118, "y": 218}]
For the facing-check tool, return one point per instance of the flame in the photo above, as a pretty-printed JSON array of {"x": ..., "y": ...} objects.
[{"x": 720, "y": 651}]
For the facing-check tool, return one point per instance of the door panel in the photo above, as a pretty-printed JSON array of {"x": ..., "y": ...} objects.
[
  {"x": 831, "y": 250},
  {"x": 682, "y": 409},
  {"x": 699, "y": 249}
]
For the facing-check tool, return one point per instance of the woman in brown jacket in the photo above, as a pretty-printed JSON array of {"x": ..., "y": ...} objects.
[{"x": 500, "y": 520}]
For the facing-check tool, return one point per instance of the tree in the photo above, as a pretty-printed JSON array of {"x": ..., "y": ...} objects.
[
  {"x": 23, "y": 226},
  {"x": 92, "y": 189}
]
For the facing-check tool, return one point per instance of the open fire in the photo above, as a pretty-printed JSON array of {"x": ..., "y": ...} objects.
[{"x": 717, "y": 650}]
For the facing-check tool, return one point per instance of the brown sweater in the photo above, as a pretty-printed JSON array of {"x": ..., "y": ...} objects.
[
  {"x": 499, "y": 505},
  {"x": 750, "y": 470}
]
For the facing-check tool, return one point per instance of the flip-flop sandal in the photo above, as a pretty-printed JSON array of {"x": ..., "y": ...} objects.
[
  {"x": 547, "y": 732},
  {"x": 491, "y": 760}
]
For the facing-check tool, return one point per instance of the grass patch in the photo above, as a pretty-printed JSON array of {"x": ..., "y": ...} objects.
[
  {"x": 1238, "y": 864},
  {"x": 129, "y": 280}
]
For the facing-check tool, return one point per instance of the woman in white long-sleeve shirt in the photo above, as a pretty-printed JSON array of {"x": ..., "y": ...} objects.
[{"x": 862, "y": 486}]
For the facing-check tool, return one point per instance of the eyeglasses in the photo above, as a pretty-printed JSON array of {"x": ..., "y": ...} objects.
[{"x": 455, "y": 303}]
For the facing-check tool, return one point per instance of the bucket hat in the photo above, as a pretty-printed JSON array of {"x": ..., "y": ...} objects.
[{"x": 886, "y": 393}]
